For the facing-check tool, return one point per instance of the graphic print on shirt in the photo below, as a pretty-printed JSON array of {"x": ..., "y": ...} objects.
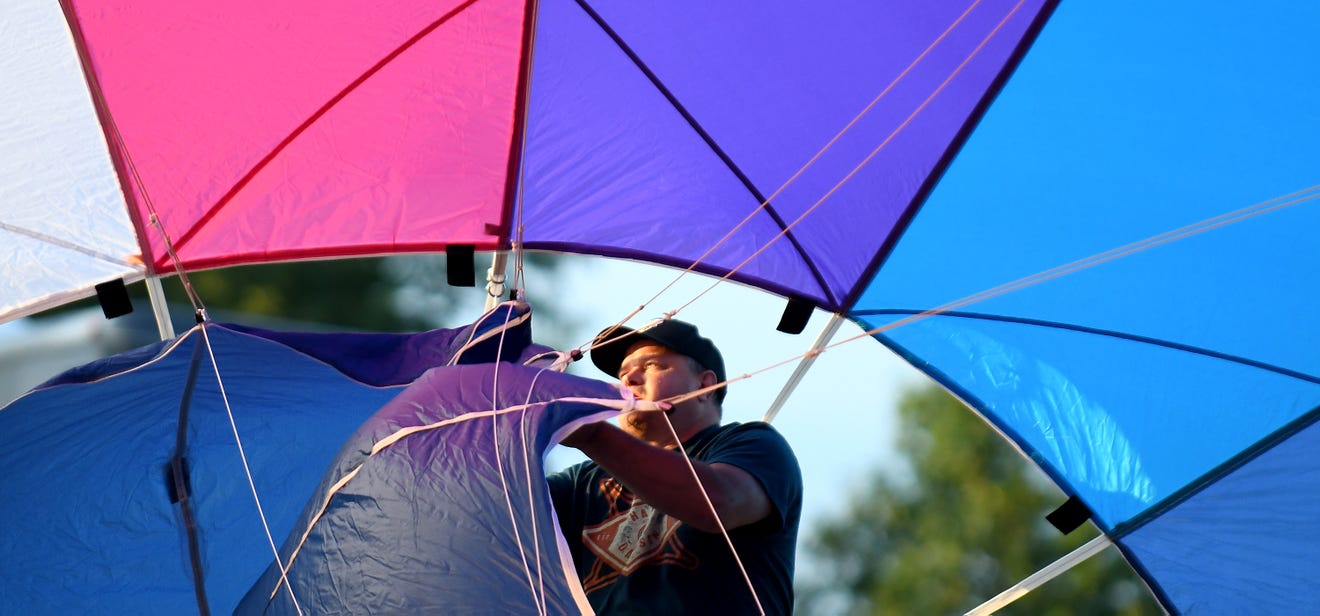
[{"x": 630, "y": 538}]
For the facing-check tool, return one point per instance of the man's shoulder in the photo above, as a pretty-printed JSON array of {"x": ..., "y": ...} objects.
[
  {"x": 572, "y": 475},
  {"x": 752, "y": 445},
  {"x": 751, "y": 430}
]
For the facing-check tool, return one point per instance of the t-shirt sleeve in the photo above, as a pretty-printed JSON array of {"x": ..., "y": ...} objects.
[{"x": 760, "y": 450}]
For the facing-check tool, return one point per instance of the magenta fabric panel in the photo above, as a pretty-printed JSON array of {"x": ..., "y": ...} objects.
[{"x": 263, "y": 130}]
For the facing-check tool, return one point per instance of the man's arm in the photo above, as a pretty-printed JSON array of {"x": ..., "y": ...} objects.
[{"x": 661, "y": 477}]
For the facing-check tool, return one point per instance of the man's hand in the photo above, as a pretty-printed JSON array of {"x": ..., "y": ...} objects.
[{"x": 663, "y": 479}]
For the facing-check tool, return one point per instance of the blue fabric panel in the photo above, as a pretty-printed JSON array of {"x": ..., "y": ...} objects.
[
  {"x": 1125, "y": 121},
  {"x": 89, "y": 527},
  {"x": 1122, "y": 423},
  {"x": 451, "y": 520},
  {"x": 1246, "y": 544},
  {"x": 613, "y": 166},
  {"x": 1118, "y": 127}
]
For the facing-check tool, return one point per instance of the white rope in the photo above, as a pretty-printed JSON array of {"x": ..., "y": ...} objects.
[
  {"x": 499, "y": 467},
  {"x": 531, "y": 501},
  {"x": 247, "y": 470},
  {"x": 402, "y": 433},
  {"x": 811, "y": 162},
  {"x": 473, "y": 339},
  {"x": 718, "y": 522}
]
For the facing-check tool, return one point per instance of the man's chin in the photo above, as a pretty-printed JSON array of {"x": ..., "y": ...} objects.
[{"x": 637, "y": 422}]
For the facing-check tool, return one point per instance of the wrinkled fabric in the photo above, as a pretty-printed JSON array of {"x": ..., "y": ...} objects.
[
  {"x": 455, "y": 519},
  {"x": 88, "y": 518}
]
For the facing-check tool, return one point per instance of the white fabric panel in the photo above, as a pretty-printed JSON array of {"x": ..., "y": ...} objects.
[{"x": 64, "y": 226}]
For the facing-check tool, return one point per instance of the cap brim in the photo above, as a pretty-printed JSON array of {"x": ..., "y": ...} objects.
[{"x": 609, "y": 357}]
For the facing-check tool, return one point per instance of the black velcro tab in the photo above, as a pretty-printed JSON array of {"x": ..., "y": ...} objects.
[
  {"x": 461, "y": 265},
  {"x": 1069, "y": 515},
  {"x": 114, "y": 300},
  {"x": 796, "y": 314},
  {"x": 179, "y": 486}
]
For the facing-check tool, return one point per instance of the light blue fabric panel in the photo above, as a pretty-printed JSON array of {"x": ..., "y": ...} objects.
[{"x": 1122, "y": 423}]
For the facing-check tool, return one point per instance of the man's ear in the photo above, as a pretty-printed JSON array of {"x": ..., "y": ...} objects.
[{"x": 708, "y": 378}]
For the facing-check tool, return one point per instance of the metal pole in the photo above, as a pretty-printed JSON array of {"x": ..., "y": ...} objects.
[
  {"x": 826, "y": 334},
  {"x": 1035, "y": 580},
  {"x": 156, "y": 292},
  {"x": 495, "y": 279}
]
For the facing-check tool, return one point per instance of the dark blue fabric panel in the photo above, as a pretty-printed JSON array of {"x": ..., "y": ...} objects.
[
  {"x": 397, "y": 359},
  {"x": 450, "y": 520},
  {"x": 107, "y": 366},
  {"x": 89, "y": 527},
  {"x": 1246, "y": 544}
]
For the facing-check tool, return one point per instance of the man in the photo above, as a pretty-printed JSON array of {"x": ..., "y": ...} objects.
[{"x": 642, "y": 535}]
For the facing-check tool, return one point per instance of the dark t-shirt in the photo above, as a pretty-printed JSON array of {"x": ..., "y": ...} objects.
[{"x": 632, "y": 559}]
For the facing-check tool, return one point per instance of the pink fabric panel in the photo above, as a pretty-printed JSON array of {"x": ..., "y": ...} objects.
[{"x": 281, "y": 129}]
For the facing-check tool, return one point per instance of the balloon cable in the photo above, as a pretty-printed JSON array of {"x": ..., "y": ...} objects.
[
  {"x": 724, "y": 532},
  {"x": 816, "y": 157},
  {"x": 516, "y": 243},
  {"x": 229, "y": 411},
  {"x": 538, "y": 598},
  {"x": 865, "y": 161},
  {"x": 1278, "y": 203}
]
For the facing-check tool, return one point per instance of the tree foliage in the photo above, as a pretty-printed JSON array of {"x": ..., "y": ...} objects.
[
  {"x": 965, "y": 524},
  {"x": 381, "y": 294}
]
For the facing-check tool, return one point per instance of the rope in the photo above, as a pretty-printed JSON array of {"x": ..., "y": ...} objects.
[
  {"x": 811, "y": 162},
  {"x": 848, "y": 177},
  {"x": 402, "y": 433},
  {"x": 517, "y": 241},
  {"x": 537, "y": 599},
  {"x": 531, "y": 501},
  {"x": 153, "y": 217},
  {"x": 284, "y": 580},
  {"x": 715, "y": 514},
  {"x": 1264, "y": 207}
]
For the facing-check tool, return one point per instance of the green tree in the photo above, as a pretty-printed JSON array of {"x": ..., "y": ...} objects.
[
  {"x": 384, "y": 294},
  {"x": 966, "y": 523}
]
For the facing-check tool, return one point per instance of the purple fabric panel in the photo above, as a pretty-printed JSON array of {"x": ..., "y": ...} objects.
[
  {"x": 430, "y": 514},
  {"x": 611, "y": 163}
]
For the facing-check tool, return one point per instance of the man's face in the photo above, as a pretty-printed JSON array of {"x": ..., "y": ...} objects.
[{"x": 654, "y": 372}]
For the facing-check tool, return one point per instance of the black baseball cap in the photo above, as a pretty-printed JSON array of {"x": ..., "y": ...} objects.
[{"x": 676, "y": 335}]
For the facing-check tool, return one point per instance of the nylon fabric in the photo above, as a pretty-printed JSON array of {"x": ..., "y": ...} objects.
[
  {"x": 429, "y": 513},
  {"x": 606, "y": 146},
  {"x": 1244, "y": 544},
  {"x": 63, "y": 224},
  {"x": 93, "y": 526},
  {"x": 1125, "y": 424}
]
